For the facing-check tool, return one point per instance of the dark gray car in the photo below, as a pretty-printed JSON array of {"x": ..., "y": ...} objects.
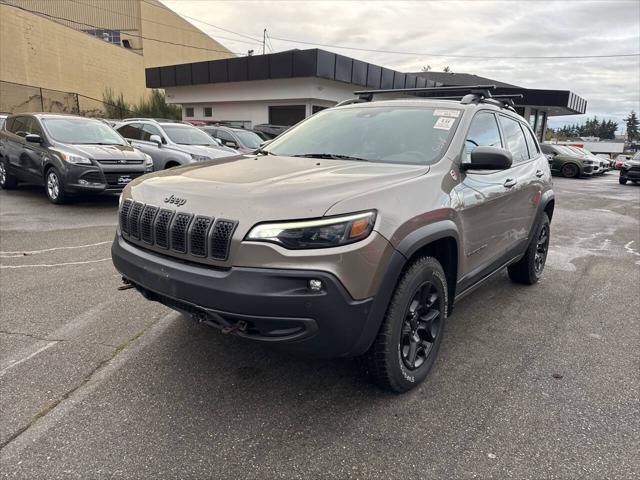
[
  {"x": 68, "y": 154},
  {"x": 172, "y": 143},
  {"x": 334, "y": 241}
]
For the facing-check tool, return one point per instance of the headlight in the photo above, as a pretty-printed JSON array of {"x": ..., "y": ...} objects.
[
  {"x": 148, "y": 163},
  {"x": 73, "y": 158},
  {"x": 320, "y": 233},
  {"x": 199, "y": 158},
  {"x": 627, "y": 164}
]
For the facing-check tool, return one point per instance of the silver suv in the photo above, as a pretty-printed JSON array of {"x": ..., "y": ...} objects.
[
  {"x": 352, "y": 234},
  {"x": 170, "y": 144}
]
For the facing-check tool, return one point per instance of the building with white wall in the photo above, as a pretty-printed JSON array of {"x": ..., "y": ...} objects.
[{"x": 284, "y": 88}]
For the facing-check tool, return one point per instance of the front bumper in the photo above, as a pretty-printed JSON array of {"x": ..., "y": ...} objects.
[
  {"x": 105, "y": 178},
  {"x": 270, "y": 305},
  {"x": 630, "y": 174}
]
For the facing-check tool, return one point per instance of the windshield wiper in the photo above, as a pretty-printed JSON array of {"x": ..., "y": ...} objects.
[
  {"x": 332, "y": 156},
  {"x": 260, "y": 151}
]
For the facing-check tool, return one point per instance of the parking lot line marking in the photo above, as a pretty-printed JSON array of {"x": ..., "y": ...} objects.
[
  {"x": 35, "y": 252},
  {"x": 22, "y": 360},
  {"x": 49, "y": 265}
]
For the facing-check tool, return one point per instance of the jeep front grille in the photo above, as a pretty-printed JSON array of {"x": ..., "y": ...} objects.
[{"x": 180, "y": 232}]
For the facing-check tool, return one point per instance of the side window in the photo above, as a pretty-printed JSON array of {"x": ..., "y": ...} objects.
[
  {"x": 514, "y": 139},
  {"x": 531, "y": 142},
  {"x": 33, "y": 126},
  {"x": 19, "y": 126},
  {"x": 224, "y": 136},
  {"x": 148, "y": 130},
  {"x": 132, "y": 131},
  {"x": 483, "y": 132}
]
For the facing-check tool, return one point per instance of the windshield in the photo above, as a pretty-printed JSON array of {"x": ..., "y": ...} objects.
[
  {"x": 186, "y": 135},
  {"x": 636, "y": 156},
  {"x": 249, "y": 139},
  {"x": 82, "y": 131},
  {"x": 2, "y": 120},
  {"x": 415, "y": 135}
]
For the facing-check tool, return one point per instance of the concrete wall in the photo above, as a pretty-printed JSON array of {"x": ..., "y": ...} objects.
[{"x": 36, "y": 50}]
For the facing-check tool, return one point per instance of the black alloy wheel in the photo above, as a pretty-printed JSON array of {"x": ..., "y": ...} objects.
[
  {"x": 421, "y": 326},
  {"x": 542, "y": 247},
  {"x": 570, "y": 170}
]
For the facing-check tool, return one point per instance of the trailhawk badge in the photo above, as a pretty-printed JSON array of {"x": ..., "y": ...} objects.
[{"x": 177, "y": 201}]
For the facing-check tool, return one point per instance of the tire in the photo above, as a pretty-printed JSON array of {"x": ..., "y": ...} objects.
[
  {"x": 7, "y": 181},
  {"x": 54, "y": 188},
  {"x": 623, "y": 181},
  {"x": 411, "y": 333},
  {"x": 570, "y": 170},
  {"x": 529, "y": 268}
]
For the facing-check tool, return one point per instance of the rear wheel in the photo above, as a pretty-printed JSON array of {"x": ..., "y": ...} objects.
[
  {"x": 54, "y": 188},
  {"x": 570, "y": 170},
  {"x": 7, "y": 181},
  {"x": 528, "y": 269},
  {"x": 409, "y": 339}
]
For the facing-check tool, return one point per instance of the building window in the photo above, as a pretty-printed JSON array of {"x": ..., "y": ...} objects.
[
  {"x": 208, "y": 112},
  {"x": 111, "y": 36},
  {"x": 188, "y": 112},
  {"x": 316, "y": 109},
  {"x": 286, "y": 115}
]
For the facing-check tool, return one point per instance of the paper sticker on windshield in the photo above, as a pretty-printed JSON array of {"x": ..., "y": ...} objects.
[
  {"x": 447, "y": 113},
  {"x": 444, "y": 123}
]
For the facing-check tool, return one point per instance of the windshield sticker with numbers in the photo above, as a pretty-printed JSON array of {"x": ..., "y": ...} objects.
[
  {"x": 444, "y": 123},
  {"x": 447, "y": 113}
]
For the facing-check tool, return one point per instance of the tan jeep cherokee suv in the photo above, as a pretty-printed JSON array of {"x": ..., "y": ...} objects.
[{"x": 352, "y": 234}]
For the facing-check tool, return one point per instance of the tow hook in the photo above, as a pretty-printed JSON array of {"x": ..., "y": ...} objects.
[
  {"x": 240, "y": 325},
  {"x": 126, "y": 284}
]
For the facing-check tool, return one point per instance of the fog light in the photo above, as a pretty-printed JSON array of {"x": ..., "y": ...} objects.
[{"x": 315, "y": 285}]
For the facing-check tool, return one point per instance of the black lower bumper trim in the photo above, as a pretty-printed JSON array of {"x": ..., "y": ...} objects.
[{"x": 273, "y": 305}]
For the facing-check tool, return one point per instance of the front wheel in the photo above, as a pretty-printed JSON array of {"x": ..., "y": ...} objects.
[
  {"x": 528, "y": 269},
  {"x": 570, "y": 170},
  {"x": 623, "y": 181},
  {"x": 54, "y": 187},
  {"x": 409, "y": 339}
]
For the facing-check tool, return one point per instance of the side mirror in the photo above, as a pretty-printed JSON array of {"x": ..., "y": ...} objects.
[
  {"x": 489, "y": 158},
  {"x": 33, "y": 138},
  {"x": 156, "y": 139}
]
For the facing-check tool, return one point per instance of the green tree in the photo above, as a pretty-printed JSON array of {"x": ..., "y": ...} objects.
[{"x": 633, "y": 125}]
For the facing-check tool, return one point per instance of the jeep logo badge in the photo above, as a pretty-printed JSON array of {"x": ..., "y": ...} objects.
[{"x": 177, "y": 201}]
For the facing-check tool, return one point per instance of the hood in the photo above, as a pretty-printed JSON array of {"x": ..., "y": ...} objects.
[
  {"x": 252, "y": 189},
  {"x": 106, "y": 152},
  {"x": 211, "y": 152}
]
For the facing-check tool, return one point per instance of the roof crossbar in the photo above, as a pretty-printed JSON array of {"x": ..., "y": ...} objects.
[{"x": 478, "y": 89}]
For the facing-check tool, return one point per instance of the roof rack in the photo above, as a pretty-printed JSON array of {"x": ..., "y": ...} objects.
[{"x": 467, "y": 94}]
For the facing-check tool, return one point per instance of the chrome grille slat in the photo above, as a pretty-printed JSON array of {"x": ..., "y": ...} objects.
[
  {"x": 220, "y": 238},
  {"x": 198, "y": 236},
  {"x": 134, "y": 219},
  {"x": 179, "y": 228},
  {"x": 146, "y": 223}
]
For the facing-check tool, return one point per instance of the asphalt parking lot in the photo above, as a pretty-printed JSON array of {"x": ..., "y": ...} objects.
[{"x": 531, "y": 382}]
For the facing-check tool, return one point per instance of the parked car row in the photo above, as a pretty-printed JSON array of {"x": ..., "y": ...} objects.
[
  {"x": 574, "y": 162},
  {"x": 71, "y": 155}
]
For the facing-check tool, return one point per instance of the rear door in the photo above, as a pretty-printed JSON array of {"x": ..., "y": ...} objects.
[
  {"x": 14, "y": 144},
  {"x": 527, "y": 173},
  {"x": 485, "y": 194}
]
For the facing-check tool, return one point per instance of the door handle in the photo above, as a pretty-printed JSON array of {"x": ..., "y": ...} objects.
[
  {"x": 510, "y": 182},
  {"x": 539, "y": 173}
]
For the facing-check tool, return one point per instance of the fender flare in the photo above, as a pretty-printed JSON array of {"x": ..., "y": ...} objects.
[{"x": 408, "y": 246}]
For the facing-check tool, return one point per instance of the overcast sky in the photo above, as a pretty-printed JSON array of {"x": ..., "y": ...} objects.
[{"x": 611, "y": 86}]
